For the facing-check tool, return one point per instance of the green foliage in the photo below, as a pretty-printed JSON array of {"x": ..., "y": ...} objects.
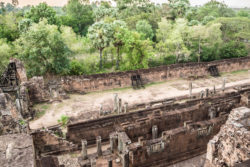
[
  {"x": 133, "y": 34},
  {"x": 215, "y": 9},
  {"x": 43, "y": 49},
  {"x": 173, "y": 39},
  {"x": 137, "y": 51},
  {"x": 63, "y": 120},
  {"x": 101, "y": 12},
  {"x": 233, "y": 49},
  {"x": 42, "y": 11},
  {"x": 100, "y": 34},
  {"x": 5, "y": 54},
  {"x": 243, "y": 13},
  {"x": 9, "y": 26},
  {"x": 207, "y": 19},
  {"x": 145, "y": 29},
  {"x": 73, "y": 41},
  {"x": 234, "y": 28},
  {"x": 24, "y": 25},
  {"x": 178, "y": 8},
  {"x": 79, "y": 17},
  {"x": 193, "y": 23},
  {"x": 22, "y": 122}
]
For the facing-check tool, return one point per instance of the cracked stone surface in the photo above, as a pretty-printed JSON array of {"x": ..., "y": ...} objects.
[
  {"x": 17, "y": 151},
  {"x": 231, "y": 145}
]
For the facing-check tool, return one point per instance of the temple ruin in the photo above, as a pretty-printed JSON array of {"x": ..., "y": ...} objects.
[{"x": 213, "y": 123}]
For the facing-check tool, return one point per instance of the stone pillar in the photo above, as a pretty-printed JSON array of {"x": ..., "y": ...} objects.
[
  {"x": 224, "y": 84},
  {"x": 190, "y": 88},
  {"x": 154, "y": 132},
  {"x": 125, "y": 159},
  {"x": 207, "y": 93},
  {"x": 111, "y": 140},
  {"x": 93, "y": 162},
  {"x": 120, "y": 106},
  {"x": 202, "y": 94},
  {"x": 84, "y": 149},
  {"x": 115, "y": 102},
  {"x": 120, "y": 145},
  {"x": 125, "y": 107},
  {"x": 99, "y": 145},
  {"x": 101, "y": 110},
  {"x": 110, "y": 162}
]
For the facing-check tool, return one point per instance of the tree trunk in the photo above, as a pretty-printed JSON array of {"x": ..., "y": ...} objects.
[
  {"x": 118, "y": 58},
  {"x": 199, "y": 54},
  {"x": 101, "y": 59}
]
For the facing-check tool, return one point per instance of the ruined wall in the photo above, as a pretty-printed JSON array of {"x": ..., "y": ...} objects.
[
  {"x": 231, "y": 145},
  {"x": 46, "y": 142},
  {"x": 98, "y": 82},
  {"x": 166, "y": 117},
  {"x": 9, "y": 116},
  {"x": 175, "y": 145}
]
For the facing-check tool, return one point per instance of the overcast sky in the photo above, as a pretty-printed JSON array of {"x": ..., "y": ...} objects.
[{"x": 230, "y": 3}]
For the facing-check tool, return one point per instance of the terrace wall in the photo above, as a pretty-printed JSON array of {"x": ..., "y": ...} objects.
[{"x": 99, "y": 82}]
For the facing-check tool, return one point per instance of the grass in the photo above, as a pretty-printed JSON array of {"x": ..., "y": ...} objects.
[
  {"x": 235, "y": 72},
  {"x": 41, "y": 110},
  {"x": 239, "y": 71},
  {"x": 39, "y": 114}
]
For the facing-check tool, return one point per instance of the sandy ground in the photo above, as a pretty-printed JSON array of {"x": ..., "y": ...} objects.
[{"x": 89, "y": 104}]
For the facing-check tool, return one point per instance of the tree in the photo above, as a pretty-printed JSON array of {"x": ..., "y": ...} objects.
[
  {"x": 100, "y": 12},
  {"x": 9, "y": 26},
  {"x": 233, "y": 49},
  {"x": 178, "y": 8},
  {"x": 235, "y": 28},
  {"x": 137, "y": 51},
  {"x": 215, "y": 9},
  {"x": 243, "y": 13},
  {"x": 5, "y": 53},
  {"x": 43, "y": 50},
  {"x": 79, "y": 16},
  {"x": 145, "y": 29},
  {"x": 205, "y": 37},
  {"x": 173, "y": 37},
  {"x": 120, "y": 29},
  {"x": 100, "y": 34},
  {"x": 41, "y": 11},
  {"x": 24, "y": 25}
]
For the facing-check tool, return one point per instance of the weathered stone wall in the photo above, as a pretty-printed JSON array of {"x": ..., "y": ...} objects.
[
  {"x": 166, "y": 117},
  {"x": 17, "y": 150},
  {"x": 46, "y": 142},
  {"x": 231, "y": 145},
  {"x": 175, "y": 145},
  {"x": 99, "y": 82}
]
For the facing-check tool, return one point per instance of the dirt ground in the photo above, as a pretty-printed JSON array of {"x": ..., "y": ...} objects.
[{"x": 89, "y": 104}]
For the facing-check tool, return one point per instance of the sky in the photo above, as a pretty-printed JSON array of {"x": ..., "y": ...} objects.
[{"x": 230, "y": 3}]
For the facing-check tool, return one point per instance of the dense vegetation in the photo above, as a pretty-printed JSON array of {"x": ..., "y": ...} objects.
[{"x": 85, "y": 38}]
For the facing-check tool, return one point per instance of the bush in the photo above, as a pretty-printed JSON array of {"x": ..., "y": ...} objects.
[
  {"x": 233, "y": 49},
  {"x": 63, "y": 120}
]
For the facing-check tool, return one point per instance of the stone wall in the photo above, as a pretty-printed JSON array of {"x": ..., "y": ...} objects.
[
  {"x": 175, "y": 145},
  {"x": 99, "y": 82},
  {"x": 165, "y": 116},
  {"x": 46, "y": 142},
  {"x": 231, "y": 145}
]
